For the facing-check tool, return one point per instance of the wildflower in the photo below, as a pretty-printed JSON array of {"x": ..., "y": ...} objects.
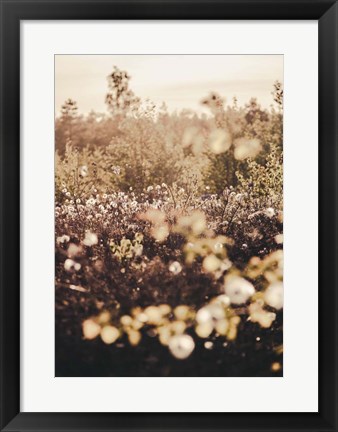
[
  {"x": 219, "y": 141},
  {"x": 109, "y": 334},
  {"x": 134, "y": 337},
  {"x": 164, "y": 335},
  {"x": 126, "y": 320},
  {"x": 181, "y": 346},
  {"x": 70, "y": 265},
  {"x": 165, "y": 309},
  {"x": 222, "y": 326},
  {"x": 84, "y": 171},
  {"x": 279, "y": 239},
  {"x": 181, "y": 312},
  {"x": 116, "y": 170},
  {"x": 270, "y": 212},
  {"x": 73, "y": 250},
  {"x": 245, "y": 148},
  {"x": 223, "y": 300},
  {"x": 238, "y": 289},
  {"x": 90, "y": 329},
  {"x": 138, "y": 249},
  {"x": 203, "y": 315},
  {"x": 63, "y": 239},
  {"x": 178, "y": 327},
  {"x": 90, "y": 239},
  {"x": 175, "y": 267},
  {"x": 208, "y": 345},
  {"x": 276, "y": 366},
  {"x": 160, "y": 233},
  {"x": 204, "y": 330},
  {"x": 104, "y": 317},
  {"x": 273, "y": 295},
  {"x": 90, "y": 202},
  {"x": 211, "y": 263},
  {"x": 261, "y": 316},
  {"x": 154, "y": 315},
  {"x": 218, "y": 247}
]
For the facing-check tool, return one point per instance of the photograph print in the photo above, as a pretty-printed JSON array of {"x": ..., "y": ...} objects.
[{"x": 169, "y": 215}]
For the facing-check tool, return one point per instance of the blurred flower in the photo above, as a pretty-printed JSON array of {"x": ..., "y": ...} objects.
[
  {"x": 274, "y": 295},
  {"x": 204, "y": 330},
  {"x": 71, "y": 265},
  {"x": 181, "y": 312},
  {"x": 109, "y": 334},
  {"x": 63, "y": 239},
  {"x": 134, "y": 337},
  {"x": 238, "y": 289},
  {"x": 90, "y": 239},
  {"x": 208, "y": 345},
  {"x": 211, "y": 263},
  {"x": 116, "y": 169},
  {"x": 181, "y": 346},
  {"x": 261, "y": 316},
  {"x": 160, "y": 233},
  {"x": 219, "y": 141},
  {"x": 84, "y": 171},
  {"x": 154, "y": 315},
  {"x": 90, "y": 329},
  {"x": 270, "y": 212},
  {"x": 175, "y": 267},
  {"x": 245, "y": 148},
  {"x": 279, "y": 238}
]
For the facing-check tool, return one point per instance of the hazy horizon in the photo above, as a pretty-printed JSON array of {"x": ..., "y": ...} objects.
[{"x": 181, "y": 81}]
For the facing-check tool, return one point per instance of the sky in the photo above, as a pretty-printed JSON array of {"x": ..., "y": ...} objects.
[{"x": 181, "y": 81}]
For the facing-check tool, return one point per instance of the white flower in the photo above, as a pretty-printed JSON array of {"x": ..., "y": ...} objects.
[
  {"x": 84, "y": 171},
  {"x": 203, "y": 315},
  {"x": 270, "y": 212},
  {"x": 71, "y": 265},
  {"x": 109, "y": 334},
  {"x": 208, "y": 345},
  {"x": 90, "y": 239},
  {"x": 73, "y": 250},
  {"x": 274, "y": 295},
  {"x": 175, "y": 267},
  {"x": 116, "y": 170},
  {"x": 245, "y": 148},
  {"x": 63, "y": 239},
  {"x": 90, "y": 202},
  {"x": 90, "y": 329},
  {"x": 238, "y": 289},
  {"x": 181, "y": 346},
  {"x": 211, "y": 263},
  {"x": 219, "y": 141}
]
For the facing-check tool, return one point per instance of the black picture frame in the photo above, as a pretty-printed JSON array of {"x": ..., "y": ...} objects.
[{"x": 14, "y": 11}]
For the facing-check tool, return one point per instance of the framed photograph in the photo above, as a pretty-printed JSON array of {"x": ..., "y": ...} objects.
[{"x": 168, "y": 215}]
